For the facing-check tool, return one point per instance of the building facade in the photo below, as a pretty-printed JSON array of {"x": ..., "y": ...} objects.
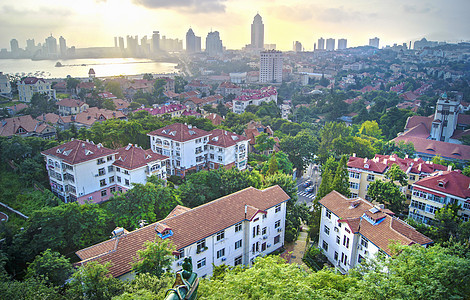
[
  {"x": 257, "y": 33},
  {"x": 69, "y": 107},
  {"x": 330, "y": 44},
  {"x": 354, "y": 229},
  {"x": 30, "y": 85},
  {"x": 231, "y": 230},
  {"x": 270, "y": 67},
  {"x": 253, "y": 97},
  {"x": 342, "y": 44},
  {"x": 193, "y": 42},
  {"x": 214, "y": 43}
]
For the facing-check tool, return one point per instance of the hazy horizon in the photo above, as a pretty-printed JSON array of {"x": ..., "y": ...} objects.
[{"x": 89, "y": 23}]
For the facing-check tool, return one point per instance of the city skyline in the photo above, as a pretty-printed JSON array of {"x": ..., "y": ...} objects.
[{"x": 100, "y": 21}]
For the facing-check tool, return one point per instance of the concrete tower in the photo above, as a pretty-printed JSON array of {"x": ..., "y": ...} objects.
[{"x": 257, "y": 33}]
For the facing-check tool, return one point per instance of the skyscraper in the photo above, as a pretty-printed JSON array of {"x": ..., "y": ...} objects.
[
  {"x": 62, "y": 46},
  {"x": 297, "y": 46},
  {"x": 213, "y": 43},
  {"x": 14, "y": 46},
  {"x": 342, "y": 44},
  {"x": 374, "y": 42},
  {"x": 257, "y": 33},
  {"x": 121, "y": 43},
  {"x": 270, "y": 70},
  {"x": 193, "y": 42},
  {"x": 156, "y": 41},
  {"x": 330, "y": 44},
  {"x": 115, "y": 42},
  {"x": 321, "y": 44},
  {"x": 51, "y": 46}
]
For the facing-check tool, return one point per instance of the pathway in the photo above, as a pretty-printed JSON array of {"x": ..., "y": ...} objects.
[{"x": 300, "y": 246}]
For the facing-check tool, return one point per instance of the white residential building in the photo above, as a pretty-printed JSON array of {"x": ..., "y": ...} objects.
[
  {"x": 354, "y": 229},
  {"x": 30, "y": 85},
  {"x": 434, "y": 192},
  {"x": 270, "y": 70},
  {"x": 231, "y": 230},
  {"x": 194, "y": 149},
  {"x": 5, "y": 86},
  {"x": 253, "y": 97},
  {"x": 82, "y": 171}
]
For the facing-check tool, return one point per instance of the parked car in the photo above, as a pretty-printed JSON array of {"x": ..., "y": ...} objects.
[
  {"x": 309, "y": 189},
  {"x": 307, "y": 183}
]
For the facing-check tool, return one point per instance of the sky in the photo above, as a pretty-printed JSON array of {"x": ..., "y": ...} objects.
[{"x": 86, "y": 23}]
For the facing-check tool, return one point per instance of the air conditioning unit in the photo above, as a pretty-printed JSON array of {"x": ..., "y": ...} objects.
[
  {"x": 223, "y": 259},
  {"x": 180, "y": 263},
  {"x": 96, "y": 175},
  {"x": 265, "y": 237},
  {"x": 279, "y": 229}
]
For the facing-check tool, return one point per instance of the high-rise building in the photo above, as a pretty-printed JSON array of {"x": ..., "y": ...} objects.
[
  {"x": 121, "y": 43},
  {"x": 342, "y": 44},
  {"x": 51, "y": 46},
  {"x": 257, "y": 33},
  {"x": 297, "y": 46},
  {"x": 14, "y": 46},
  {"x": 132, "y": 43},
  {"x": 374, "y": 42},
  {"x": 321, "y": 44},
  {"x": 270, "y": 70},
  {"x": 214, "y": 43},
  {"x": 62, "y": 46},
  {"x": 156, "y": 41},
  {"x": 193, "y": 42},
  {"x": 330, "y": 44},
  {"x": 115, "y": 42}
]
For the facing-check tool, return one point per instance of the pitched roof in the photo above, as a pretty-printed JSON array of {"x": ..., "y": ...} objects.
[
  {"x": 224, "y": 138},
  {"x": 70, "y": 103},
  {"x": 95, "y": 114},
  {"x": 417, "y": 120},
  {"x": 32, "y": 80},
  {"x": 382, "y": 232},
  {"x": 77, "y": 151},
  {"x": 431, "y": 147},
  {"x": 11, "y": 126},
  {"x": 49, "y": 118},
  {"x": 132, "y": 157},
  {"x": 367, "y": 164},
  {"x": 188, "y": 226},
  {"x": 214, "y": 118},
  {"x": 449, "y": 182},
  {"x": 179, "y": 132}
]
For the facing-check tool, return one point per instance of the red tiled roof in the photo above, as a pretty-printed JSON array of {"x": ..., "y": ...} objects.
[
  {"x": 132, "y": 157},
  {"x": 188, "y": 226},
  {"x": 70, "y": 103},
  {"x": 77, "y": 151},
  {"x": 454, "y": 183},
  {"x": 380, "y": 234},
  {"x": 11, "y": 126},
  {"x": 32, "y": 80},
  {"x": 215, "y": 119},
  {"x": 413, "y": 121},
  {"x": 224, "y": 138},
  {"x": 93, "y": 114},
  {"x": 367, "y": 164},
  {"x": 179, "y": 132},
  {"x": 49, "y": 117},
  {"x": 86, "y": 85},
  {"x": 431, "y": 147}
]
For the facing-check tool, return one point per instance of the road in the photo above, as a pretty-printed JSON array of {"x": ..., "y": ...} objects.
[{"x": 311, "y": 173}]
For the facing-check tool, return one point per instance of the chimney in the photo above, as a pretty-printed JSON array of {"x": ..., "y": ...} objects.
[
  {"x": 354, "y": 155},
  {"x": 449, "y": 168}
]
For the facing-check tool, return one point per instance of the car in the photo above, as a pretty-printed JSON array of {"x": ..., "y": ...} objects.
[
  {"x": 307, "y": 183},
  {"x": 309, "y": 189}
]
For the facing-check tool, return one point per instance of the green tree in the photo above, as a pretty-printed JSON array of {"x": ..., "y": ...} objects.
[
  {"x": 155, "y": 259},
  {"x": 264, "y": 142},
  {"x": 341, "y": 179},
  {"x": 109, "y": 104},
  {"x": 31, "y": 288},
  {"x": 396, "y": 174},
  {"x": 272, "y": 166},
  {"x": 51, "y": 266},
  {"x": 283, "y": 163},
  {"x": 115, "y": 88},
  {"x": 300, "y": 149},
  {"x": 41, "y": 104},
  {"x": 93, "y": 282},
  {"x": 72, "y": 84},
  {"x": 371, "y": 128},
  {"x": 386, "y": 192},
  {"x": 147, "y": 286},
  {"x": 158, "y": 90}
]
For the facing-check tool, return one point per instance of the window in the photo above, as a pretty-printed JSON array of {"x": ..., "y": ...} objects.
[
  {"x": 118, "y": 179},
  {"x": 277, "y": 224},
  {"x": 220, "y": 235},
  {"x": 336, "y": 255},
  {"x": 346, "y": 242},
  {"x": 201, "y": 263},
  {"x": 102, "y": 182},
  {"x": 326, "y": 230},
  {"x": 101, "y": 172},
  {"x": 328, "y": 214},
  {"x": 180, "y": 254},
  {"x": 263, "y": 232},
  {"x": 347, "y": 230},
  {"x": 412, "y": 177},
  {"x": 211, "y": 156},
  {"x": 370, "y": 177},
  {"x": 237, "y": 261},
  {"x": 112, "y": 189},
  {"x": 338, "y": 240},
  {"x": 201, "y": 246},
  {"x": 238, "y": 244},
  {"x": 100, "y": 161},
  {"x": 110, "y": 169},
  {"x": 256, "y": 230},
  {"x": 126, "y": 182},
  {"x": 103, "y": 193},
  {"x": 325, "y": 246},
  {"x": 219, "y": 158},
  {"x": 255, "y": 247},
  {"x": 126, "y": 172},
  {"x": 111, "y": 179},
  {"x": 354, "y": 175},
  {"x": 278, "y": 208},
  {"x": 277, "y": 239},
  {"x": 354, "y": 185},
  {"x": 263, "y": 246},
  {"x": 109, "y": 158},
  {"x": 364, "y": 242},
  {"x": 221, "y": 253},
  {"x": 344, "y": 258},
  {"x": 238, "y": 227}
]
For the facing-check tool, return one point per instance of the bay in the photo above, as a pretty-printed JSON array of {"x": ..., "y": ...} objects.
[{"x": 78, "y": 68}]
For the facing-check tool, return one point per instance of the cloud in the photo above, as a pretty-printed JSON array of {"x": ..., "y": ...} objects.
[
  {"x": 197, "y": 6},
  {"x": 417, "y": 9}
]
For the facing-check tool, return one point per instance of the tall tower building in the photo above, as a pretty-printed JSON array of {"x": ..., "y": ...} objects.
[
  {"x": 270, "y": 70},
  {"x": 257, "y": 33},
  {"x": 14, "y": 46},
  {"x": 193, "y": 42},
  {"x": 374, "y": 42},
  {"x": 297, "y": 46},
  {"x": 51, "y": 45},
  {"x": 445, "y": 119},
  {"x": 115, "y": 42},
  {"x": 342, "y": 44},
  {"x": 330, "y": 44},
  {"x": 62, "y": 46},
  {"x": 156, "y": 41},
  {"x": 121, "y": 43},
  {"x": 321, "y": 44},
  {"x": 213, "y": 43}
]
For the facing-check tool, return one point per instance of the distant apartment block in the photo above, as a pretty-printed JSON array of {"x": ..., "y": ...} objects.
[
  {"x": 434, "y": 192},
  {"x": 83, "y": 171},
  {"x": 5, "y": 86},
  {"x": 354, "y": 229},
  {"x": 30, "y": 85},
  {"x": 342, "y": 44},
  {"x": 270, "y": 67},
  {"x": 253, "y": 97},
  {"x": 69, "y": 107},
  {"x": 374, "y": 42},
  {"x": 193, "y": 149},
  {"x": 330, "y": 44}
]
